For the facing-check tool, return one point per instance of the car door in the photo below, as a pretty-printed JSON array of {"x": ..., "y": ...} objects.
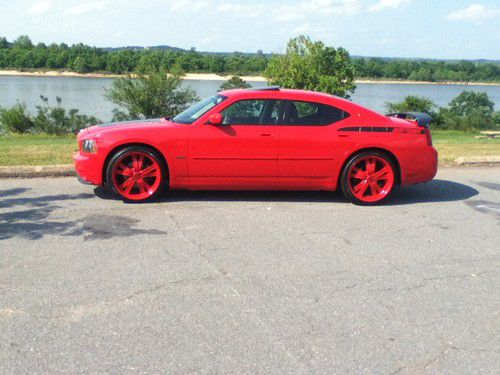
[
  {"x": 242, "y": 151},
  {"x": 307, "y": 149}
]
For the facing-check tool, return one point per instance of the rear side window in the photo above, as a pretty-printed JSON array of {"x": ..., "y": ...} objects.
[
  {"x": 254, "y": 112},
  {"x": 310, "y": 113}
]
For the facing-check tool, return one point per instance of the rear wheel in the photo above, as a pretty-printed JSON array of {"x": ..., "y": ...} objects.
[
  {"x": 136, "y": 174},
  {"x": 368, "y": 178}
]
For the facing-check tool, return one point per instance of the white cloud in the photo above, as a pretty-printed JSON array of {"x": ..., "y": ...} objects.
[
  {"x": 41, "y": 7},
  {"x": 316, "y": 8},
  {"x": 280, "y": 11},
  {"x": 387, "y": 4},
  {"x": 84, "y": 8},
  {"x": 474, "y": 12},
  {"x": 190, "y": 5},
  {"x": 242, "y": 10}
]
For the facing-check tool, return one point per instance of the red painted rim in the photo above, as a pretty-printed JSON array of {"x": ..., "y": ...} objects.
[
  {"x": 136, "y": 175},
  {"x": 371, "y": 179}
]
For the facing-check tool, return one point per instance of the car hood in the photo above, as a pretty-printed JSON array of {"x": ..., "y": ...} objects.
[{"x": 125, "y": 124}]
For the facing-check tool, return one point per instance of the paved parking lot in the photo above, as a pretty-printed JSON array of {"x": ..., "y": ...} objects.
[{"x": 251, "y": 282}]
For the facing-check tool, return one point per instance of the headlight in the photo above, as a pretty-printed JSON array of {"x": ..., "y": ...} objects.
[{"x": 89, "y": 145}]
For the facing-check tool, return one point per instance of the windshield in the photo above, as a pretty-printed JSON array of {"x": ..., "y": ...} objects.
[{"x": 197, "y": 110}]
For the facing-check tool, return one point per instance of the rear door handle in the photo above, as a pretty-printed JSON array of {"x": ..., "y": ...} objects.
[{"x": 266, "y": 135}]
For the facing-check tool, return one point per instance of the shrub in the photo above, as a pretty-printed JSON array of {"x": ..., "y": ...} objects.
[
  {"x": 157, "y": 94},
  {"x": 469, "y": 111},
  {"x": 235, "y": 82},
  {"x": 56, "y": 120},
  {"x": 16, "y": 119}
]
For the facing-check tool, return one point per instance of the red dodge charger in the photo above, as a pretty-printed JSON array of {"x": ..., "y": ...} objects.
[{"x": 265, "y": 139}]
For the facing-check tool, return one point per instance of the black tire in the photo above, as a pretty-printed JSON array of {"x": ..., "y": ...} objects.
[
  {"x": 344, "y": 179},
  {"x": 151, "y": 153}
]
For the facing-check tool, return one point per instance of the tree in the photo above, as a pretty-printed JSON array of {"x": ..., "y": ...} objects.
[
  {"x": 470, "y": 102},
  {"x": 235, "y": 82},
  {"x": 413, "y": 104},
  {"x": 311, "y": 65},
  {"x": 147, "y": 96},
  {"x": 23, "y": 42},
  {"x": 4, "y": 43},
  {"x": 470, "y": 111}
]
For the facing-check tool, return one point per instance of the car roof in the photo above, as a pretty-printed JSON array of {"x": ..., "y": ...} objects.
[{"x": 274, "y": 92}]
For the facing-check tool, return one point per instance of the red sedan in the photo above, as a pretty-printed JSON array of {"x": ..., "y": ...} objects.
[{"x": 260, "y": 139}]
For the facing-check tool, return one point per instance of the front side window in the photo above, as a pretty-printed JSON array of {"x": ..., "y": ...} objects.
[
  {"x": 310, "y": 113},
  {"x": 254, "y": 112},
  {"x": 197, "y": 110}
]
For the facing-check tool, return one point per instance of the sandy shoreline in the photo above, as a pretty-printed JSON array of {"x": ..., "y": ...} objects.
[{"x": 217, "y": 77}]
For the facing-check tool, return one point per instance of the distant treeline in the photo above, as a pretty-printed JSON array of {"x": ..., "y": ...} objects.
[{"x": 23, "y": 54}]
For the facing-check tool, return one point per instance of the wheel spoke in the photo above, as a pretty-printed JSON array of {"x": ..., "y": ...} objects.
[
  {"x": 124, "y": 170},
  {"x": 150, "y": 171},
  {"x": 360, "y": 189},
  {"x": 144, "y": 187},
  {"x": 137, "y": 161},
  {"x": 358, "y": 173},
  {"x": 381, "y": 174},
  {"x": 127, "y": 186},
  {"x": 370, "y": 165},
  {"x": 375, "y": 188}
]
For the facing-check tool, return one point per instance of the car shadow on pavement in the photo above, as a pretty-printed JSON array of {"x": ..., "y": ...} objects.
[
  {"x": 29, "y": 217},
  {"x": 434, "y": 191}
]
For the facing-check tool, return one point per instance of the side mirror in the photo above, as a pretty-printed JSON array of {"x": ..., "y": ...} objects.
[{"x": 215, "y": 119}]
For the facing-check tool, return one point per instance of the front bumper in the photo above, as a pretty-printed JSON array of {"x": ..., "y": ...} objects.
[{"x": 88, "y": 168}]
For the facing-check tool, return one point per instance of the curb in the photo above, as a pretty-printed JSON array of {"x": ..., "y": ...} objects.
[
  {"x": 38, "y": 171},
  {"x": 474, "y": 160}
]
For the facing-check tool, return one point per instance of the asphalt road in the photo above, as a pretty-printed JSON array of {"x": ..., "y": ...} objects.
[{"x": 224, "y": 282}]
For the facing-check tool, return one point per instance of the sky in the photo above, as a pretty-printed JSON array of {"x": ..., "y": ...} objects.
[{"x": 456, "y": 29}]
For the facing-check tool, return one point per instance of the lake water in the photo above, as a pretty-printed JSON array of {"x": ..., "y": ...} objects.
[{"x": 87, "y": 94}]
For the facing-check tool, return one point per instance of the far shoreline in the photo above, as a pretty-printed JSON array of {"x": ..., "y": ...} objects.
[{"x": 217, "y": 77}]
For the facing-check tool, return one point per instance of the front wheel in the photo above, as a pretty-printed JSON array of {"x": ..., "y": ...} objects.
[
  {"x": 368, "y": 178},
  {"x": 136, "y": 174}
]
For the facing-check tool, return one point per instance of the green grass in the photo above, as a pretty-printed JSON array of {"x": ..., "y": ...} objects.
[
  {"x": 29, "y": 149},
  {"x": 452, "y": 144}
]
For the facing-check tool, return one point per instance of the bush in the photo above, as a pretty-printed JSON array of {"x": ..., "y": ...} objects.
[
  {"x": 157, "y": 94},
  {"x": 235, "y": 82},
  {"x": 469, "y": 111},
  {"x": 16, "y": 119},
  {"x": 56, "y": 120},
  {"x": 413, "y": 104}
]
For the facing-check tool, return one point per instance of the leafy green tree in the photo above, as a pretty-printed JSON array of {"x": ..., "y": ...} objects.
[
  {"x": 470, "y": 111},
  {"x": 312, "y": 66},
  {"x": 16, "y": 119},
  {"x": 235, "y": 82},
  {"x": 3, "y": 43},
  {"x": 23, "y": 42},
  {"x": 157, "y": 94}
]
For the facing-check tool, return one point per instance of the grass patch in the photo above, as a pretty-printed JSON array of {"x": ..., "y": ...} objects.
[
  {"x": 30, "y": 149},
  {"x": 452, "y": 144},
  {"x": 36, "y": 149}
]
